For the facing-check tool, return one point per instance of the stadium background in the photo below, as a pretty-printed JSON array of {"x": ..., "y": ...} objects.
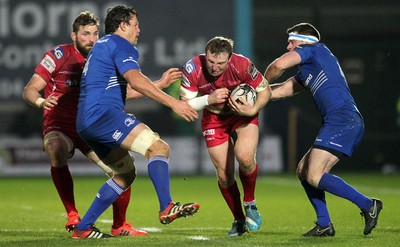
[{"x": 364, "y": 35}]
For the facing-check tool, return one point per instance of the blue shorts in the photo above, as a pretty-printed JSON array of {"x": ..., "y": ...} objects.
[
  {"x": 341, "y": 133},
  {"x": 109, "y": 130}
]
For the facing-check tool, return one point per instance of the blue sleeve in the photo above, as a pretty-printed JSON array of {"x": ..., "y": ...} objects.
[{"x": 305, "y": 52}]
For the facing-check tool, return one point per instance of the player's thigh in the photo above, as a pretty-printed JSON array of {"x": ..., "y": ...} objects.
[
  {"x": 220, "y": 155},
  {"x": 246, "y": 143}
]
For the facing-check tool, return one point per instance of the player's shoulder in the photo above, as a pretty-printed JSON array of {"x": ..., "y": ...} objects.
[
  {"x": 240, "y": 62},
  {"x": 310, "y": 47},
  {"x": 62, "y": 51},
  {"x": 113, "y": 40},
  {"x": 194, "y": 64},
  {"x": 239, "y": 59}
]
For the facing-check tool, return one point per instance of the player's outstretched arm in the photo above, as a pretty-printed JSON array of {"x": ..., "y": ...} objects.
[
  {"x": 168, "y": 77},
  {"x": 143, "y": 85}
]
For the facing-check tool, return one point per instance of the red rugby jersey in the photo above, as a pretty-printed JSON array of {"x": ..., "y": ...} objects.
[{"x": 61, "y": 68}]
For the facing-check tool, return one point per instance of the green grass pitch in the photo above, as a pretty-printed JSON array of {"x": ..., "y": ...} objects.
[{"x": 31, "y": 213}]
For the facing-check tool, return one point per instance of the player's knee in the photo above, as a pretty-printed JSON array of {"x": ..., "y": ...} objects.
[
  {"x": 247, "y": 163},
  {"x": 299, "y": 174},
  {"x": 124, "y": 169},
  {"x": 158, "y": 148},
  {"x": 223, "y": 182},
  {"x": 313, "y": 179},
  {"x": 59, "y": 147},
  {"x": 127, "y": 178}
]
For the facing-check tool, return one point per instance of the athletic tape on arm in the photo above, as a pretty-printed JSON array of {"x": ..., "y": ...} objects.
[{"x": 199, "y": 103}]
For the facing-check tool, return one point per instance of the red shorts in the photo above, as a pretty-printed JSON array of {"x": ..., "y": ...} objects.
[{"x": 218, "y": 128}]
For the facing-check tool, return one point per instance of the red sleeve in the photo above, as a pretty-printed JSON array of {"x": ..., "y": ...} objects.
[
  {"x": 190, "y": 73},
  {"x": 51, "y": 61}
]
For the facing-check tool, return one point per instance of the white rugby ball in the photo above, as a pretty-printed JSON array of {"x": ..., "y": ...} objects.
[{"x": 246, "y": 92}]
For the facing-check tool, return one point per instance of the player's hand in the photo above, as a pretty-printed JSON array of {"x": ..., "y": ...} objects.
[
  {"x": 219, "y": 96},
  {"x": 168, "y": 77},
  {"x": 50, "y": 102},
  {"x": 184, "y": 110},
  {"x": 242, "y": 108}
]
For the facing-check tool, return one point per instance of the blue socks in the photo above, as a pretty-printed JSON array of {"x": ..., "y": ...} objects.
[
  {"x": 159, "y": 174},
  {"x": 335, "y": 185},
  {"x": 107, "y": 194},
  {"x": 317, "y": 199}
]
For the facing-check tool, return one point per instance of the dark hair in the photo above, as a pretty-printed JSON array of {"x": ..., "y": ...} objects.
[
  {"x": 218, "y": 45},
  {"x": 116, "y": 16},
  {"x": 304, "y": 28},
  {"x": 83, "y": 19}
]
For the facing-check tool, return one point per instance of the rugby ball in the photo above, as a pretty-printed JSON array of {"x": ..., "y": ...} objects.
[{"x": 246, "y": 92}]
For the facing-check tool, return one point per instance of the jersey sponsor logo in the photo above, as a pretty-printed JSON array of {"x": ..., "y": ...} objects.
[
  {"x": 208, "y": 86},
  {"x": 209, "y": 132},
  {"x": 189, "y": 67},
  {"x": 70, "y": 83},
  {"x": 58, "y": 52},
  {"x": 129, "y": 121},
  {"x": 253, "y": 71},
  {"x": 117, "y": 134},
  {"x": 48, "y": 63},
  {"x": 308, "y": 80}
]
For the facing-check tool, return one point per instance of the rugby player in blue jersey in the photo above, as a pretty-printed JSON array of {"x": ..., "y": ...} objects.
[
  {"x": 111, "y": 72},
  {"x": 342, "y": 128}
]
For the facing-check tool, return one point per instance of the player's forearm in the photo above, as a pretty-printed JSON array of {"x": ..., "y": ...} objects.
[
  {"x": 285, "y": 89},
  {"x": 33, "y": 97},
  {"x": 262, "y": 98},
  {"x": 150, "y": 90},
  {"x": 199, "y": 103}
]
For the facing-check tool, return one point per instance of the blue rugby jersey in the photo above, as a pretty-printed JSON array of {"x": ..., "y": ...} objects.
[
  {"x": 102, "y": 84},
  {"x": 321, "y": 74}
]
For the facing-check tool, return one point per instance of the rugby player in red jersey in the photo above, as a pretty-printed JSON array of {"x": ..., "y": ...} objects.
[{"x": 230, "y": 129}]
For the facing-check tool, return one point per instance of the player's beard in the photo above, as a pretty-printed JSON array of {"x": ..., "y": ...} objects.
[{"x": 83, "y": 49}]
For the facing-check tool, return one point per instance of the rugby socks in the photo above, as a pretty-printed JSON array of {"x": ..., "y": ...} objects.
[
  {"x": 119, "y": 208},
  {"x": 317, "y": 199},
  {"x": 249, "y": 184},
  {"x": 159, "y": 174},
  {"x": 107, "y": 194},
  {"x": 337, "y": 186},
  {"x": 64, "y": 184},
  {"x": 231, "y": 195}
]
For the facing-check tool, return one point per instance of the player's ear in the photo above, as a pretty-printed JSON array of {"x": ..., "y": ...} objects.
[
  {"x": 122, "y": 26},
  {"x": 73, "y": 36}
]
